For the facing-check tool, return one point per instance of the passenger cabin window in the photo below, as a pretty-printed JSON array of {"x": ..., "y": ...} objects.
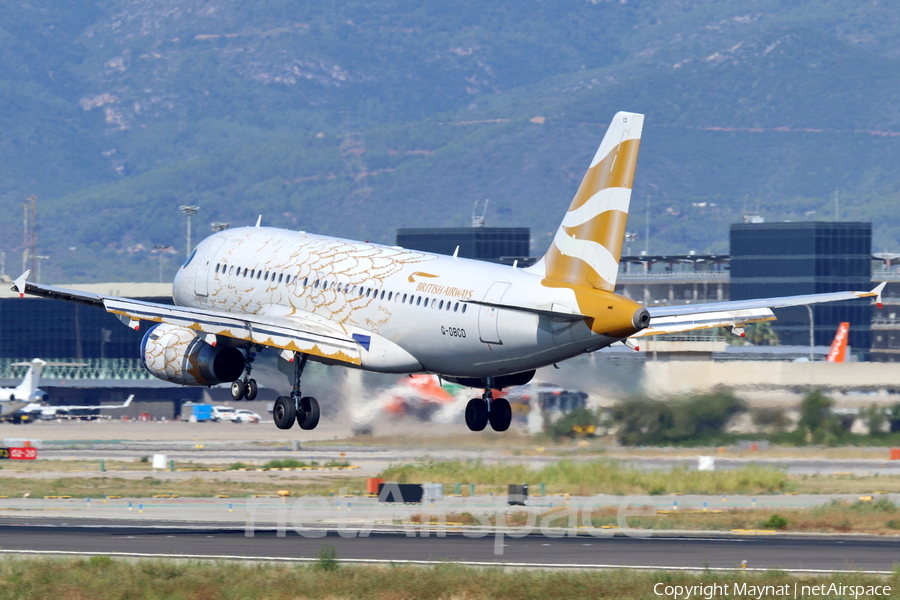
[
  {"x": 280, "y": 277},
  {"x": 231, "y": 270}
]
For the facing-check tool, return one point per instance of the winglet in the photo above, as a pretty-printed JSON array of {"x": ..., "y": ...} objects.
[
  {"x": 128, "y": 401},
  {"x": 19, "y": 284},
  {"x": 259, "y": 222},
  {"x": 877, "y": 292}
]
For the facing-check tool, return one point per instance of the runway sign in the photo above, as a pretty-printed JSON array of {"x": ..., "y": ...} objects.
[{"x": 18, "y": 453}]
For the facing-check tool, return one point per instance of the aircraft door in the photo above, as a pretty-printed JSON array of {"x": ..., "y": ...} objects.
[
  {"x": 488, "y": 329},
  {"x": 204, "y": 273}
]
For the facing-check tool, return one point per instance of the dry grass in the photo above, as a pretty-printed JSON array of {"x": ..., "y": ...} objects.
[
  {"x": 592, "y": 477},
  {"x": 95, "y": 487},
  {"x": 879, "y": 517},
  {"x": 846, "y": 484},
  {"x": 101, "y": 577}
]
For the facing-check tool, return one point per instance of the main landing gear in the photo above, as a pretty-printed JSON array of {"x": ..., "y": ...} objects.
[
  {"x": 304, "y": 410},
  {"x": 484, "y": 410},
  {"x": 245, "y": 387}
]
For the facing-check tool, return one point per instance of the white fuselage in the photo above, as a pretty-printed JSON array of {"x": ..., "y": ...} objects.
[{"x": 409, "y": 302}]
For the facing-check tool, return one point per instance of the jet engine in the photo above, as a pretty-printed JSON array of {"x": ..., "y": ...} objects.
[{"x": 181, "y": 355}]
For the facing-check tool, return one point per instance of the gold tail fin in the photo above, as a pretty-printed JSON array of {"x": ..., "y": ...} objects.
[{"x": 588, "y": 245}]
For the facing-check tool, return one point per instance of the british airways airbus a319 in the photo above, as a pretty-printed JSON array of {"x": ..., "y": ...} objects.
[{"x": 393, "y": 310}]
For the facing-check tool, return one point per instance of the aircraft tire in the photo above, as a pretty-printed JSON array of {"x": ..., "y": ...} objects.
[
  {"x": 284, "y": 413},
  {"x": 237, "y": 390},
  {"x": 250, "y": 389},
  {"x": 476, "y": 414},
  {"x": 308, "y": 416},
  {"x": 500, "y": 415}
]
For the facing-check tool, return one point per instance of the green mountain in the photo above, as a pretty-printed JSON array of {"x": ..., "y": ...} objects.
[{"x": 356, "y": 118}]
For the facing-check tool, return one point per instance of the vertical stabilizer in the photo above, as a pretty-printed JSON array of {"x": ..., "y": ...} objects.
[
  {"x": 838, "y": 350},
  {"x": 29, "y": 385},
  {"x": 588, "y": 245}
]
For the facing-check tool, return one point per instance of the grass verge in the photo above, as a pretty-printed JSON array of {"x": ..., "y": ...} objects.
[
  {"x": 878, "y": 517},
  {"x": 112, "y": 579},
  {"x": 593, "y": 477},
  {"x": 96, "y": 487}
]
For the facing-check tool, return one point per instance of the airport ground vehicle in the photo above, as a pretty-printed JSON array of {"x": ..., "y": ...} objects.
[{"x": 242, "y": 415}]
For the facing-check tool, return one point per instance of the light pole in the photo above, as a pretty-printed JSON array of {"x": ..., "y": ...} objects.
[
  {"x": 188, "y": 211},
  {"x": 217, "y": 227},
  {"x": 39, "y": 260},
  {"x": 159, "y": 249},
  {"x": 629, "y": 238},
  {"x": 811, "y": 332}
]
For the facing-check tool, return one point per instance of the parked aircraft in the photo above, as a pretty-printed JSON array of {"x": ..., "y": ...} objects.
[
  {"x": 14, "y": 398},
  {"x": 838, "y": 350},
  {"x": 42, "y": 410},
  {"x": 394, "y": 310}
]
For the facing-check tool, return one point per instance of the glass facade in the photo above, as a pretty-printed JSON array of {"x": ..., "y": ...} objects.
[
  {"x": 51, "y": 329},
  {"x": 483, "y": 243},
  {"x": 786, "y": 259}
]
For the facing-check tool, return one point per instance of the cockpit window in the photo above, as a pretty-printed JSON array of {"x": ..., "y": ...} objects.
[{"x": 189, "y": 258}]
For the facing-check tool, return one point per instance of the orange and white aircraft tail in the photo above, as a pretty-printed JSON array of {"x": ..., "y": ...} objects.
[
  {"x": 588, "y": 244},
  {"x": 838, "y": 351}
]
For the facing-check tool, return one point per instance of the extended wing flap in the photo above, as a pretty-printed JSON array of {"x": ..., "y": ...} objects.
[
  {"x": 294, "y": 333},
  {"x": 705, "y": 320}
]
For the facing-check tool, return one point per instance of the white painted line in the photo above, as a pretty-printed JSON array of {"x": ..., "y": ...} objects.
[{"x": 381, "y": 561}]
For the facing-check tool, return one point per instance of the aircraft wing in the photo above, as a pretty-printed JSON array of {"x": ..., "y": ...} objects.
[
  {"x": 91, "y": 407},
  {"x": 737, "y": 313},
  {"x": 293, "y": 333}
]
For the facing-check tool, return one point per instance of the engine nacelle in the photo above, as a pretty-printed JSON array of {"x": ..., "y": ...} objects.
[{"x": 181, "y": 355}]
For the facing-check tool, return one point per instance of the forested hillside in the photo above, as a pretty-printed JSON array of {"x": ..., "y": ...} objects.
[{"x": 353, "y": 118}]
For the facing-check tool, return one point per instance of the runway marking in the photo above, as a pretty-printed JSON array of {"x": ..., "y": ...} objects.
[{"x": 470, "y": 563}]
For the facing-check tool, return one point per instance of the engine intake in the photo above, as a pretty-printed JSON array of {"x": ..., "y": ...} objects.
[{"x": 181, "y": 355}]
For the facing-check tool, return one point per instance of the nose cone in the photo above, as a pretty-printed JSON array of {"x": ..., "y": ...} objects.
[{"x": 641, "y": 319}]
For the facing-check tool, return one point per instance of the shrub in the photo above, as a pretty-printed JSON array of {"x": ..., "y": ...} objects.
[
  {"x": 100, "y": 561},
  {"x": 775, "y": 522},
  {"x": 327, "y": 559},
  {"x": 284, "y": 463}
]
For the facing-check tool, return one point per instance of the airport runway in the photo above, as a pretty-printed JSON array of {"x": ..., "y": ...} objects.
[{"x": 813, "y": 553}]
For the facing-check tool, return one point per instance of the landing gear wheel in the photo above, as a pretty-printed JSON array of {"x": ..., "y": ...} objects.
[
  {"x": 308, "y": 415},
  {"x": 476, "y": 414},
  {"x": 250, "y": 389},
  {"x": 284, "y": 413},
  {"x": 500, "y": 415},
  {"x": 237, "y": 390}
]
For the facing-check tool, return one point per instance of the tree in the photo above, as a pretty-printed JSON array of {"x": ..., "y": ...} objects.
[
  {"x": 816, "y": 418},
  {"x": 761, "y": 334}
]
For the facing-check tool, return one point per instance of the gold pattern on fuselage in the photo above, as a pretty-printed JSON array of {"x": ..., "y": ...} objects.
[{"x": 342, "y": 277}]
